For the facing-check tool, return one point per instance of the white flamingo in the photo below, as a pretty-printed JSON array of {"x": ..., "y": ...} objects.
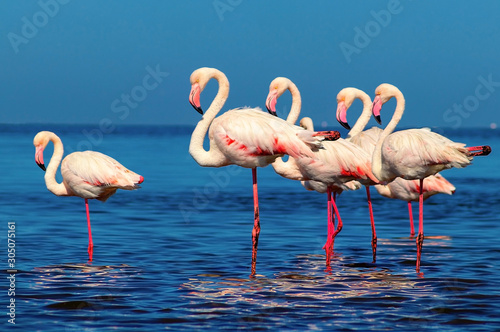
[
  {"x": 367, "y": 139},
  {"x": 414, "y": 154},
  {"x": 322, "y": 188},
  {"x": 246, "y": 137},
  {"x": 87, "y": 174},
  {"x": 336, "y": 164}
]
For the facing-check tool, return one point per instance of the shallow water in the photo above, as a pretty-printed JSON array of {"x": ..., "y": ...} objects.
[{"x": 176, "y": 253}]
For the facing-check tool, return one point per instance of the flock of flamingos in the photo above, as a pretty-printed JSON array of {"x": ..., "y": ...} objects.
[{"x": 396, "y": 163}]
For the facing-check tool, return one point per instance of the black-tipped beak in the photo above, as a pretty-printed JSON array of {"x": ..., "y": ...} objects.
[
  {"x": 271, "y": 101},
  {"x": 42, "y": 166},
  {"x": 198, "y": 109},
  {"x": 345, "y": 125},
  {"x": 377, "y": 118}
]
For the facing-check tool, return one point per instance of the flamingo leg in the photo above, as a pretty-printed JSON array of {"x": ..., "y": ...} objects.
[
  {"x": 420, "y": 237},
  {"x": 329, "y": 211},
  {"x": 331, "y": 224},
  {"x": 374, "y": 234},
  {"x": 412, "y": 227},
  {"x": 91, "y": 244},
  {"x": 256, "y": 222},
  {"x": 340, "y": 224}
]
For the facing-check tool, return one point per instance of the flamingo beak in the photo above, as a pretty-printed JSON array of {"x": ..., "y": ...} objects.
[
  {"x": 271, "y": 101},
  {"x": 39, "y": 157},
  {"x": 194, "y": 97},
  {"x": 341, "y": 115},
  {"x": 377, "y": 106}
]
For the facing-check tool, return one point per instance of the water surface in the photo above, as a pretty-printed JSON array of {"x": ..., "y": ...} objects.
[{"x": 176, "y": 253}]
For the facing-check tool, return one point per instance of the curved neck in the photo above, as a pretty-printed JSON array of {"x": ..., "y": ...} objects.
[
  {"x": 294, "y": 114},
  {"x": 53, "y": 186},
  {"x": 289, "y": 170},
  {"x": 213, "y": 157},
  {"x": 365, "y": 115},
  {"x": 377, "y": 164}
]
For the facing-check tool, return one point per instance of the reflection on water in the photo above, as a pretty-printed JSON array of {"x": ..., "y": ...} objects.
[{"x": 312, "y": 284}]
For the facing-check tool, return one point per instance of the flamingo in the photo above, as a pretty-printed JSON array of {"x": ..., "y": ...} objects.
[
  {"x": 409, "y": 191},
  {"x": 87, "y": 174},
  {"x": 290, "y": 169},
  {"x": 320, "y": 187},
  {"x": 339, "y": 162},
  {"x": 406, "y": 190},
  {"x": 414, "y": 154},
  {"x": 364, "y": 139},
  {"x": 246, "y": 137}
]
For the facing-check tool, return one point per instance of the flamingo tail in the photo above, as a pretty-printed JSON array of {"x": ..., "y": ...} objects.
[{"x": 482, "y": 150}]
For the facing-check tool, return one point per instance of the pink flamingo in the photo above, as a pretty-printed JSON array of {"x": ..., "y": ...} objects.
[
  {"x": 246, "y": 137},
  {"x": 290, "y": 169},
  {"x": 322, "y": 188},
  {"x": 409, "y": 191},
  {"x": 86, "y": 174},
  {"x": 337, "y": 163},
  {"x": 414, "y": 154},
  {"x": 364, "y": 139}
]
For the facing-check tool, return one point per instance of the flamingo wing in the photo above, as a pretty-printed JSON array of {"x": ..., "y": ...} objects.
[
  {"x": 418, "y": 153},
  {"x": 91, "y": 174},
  {"x": 250, "y": 137},
  {"x": 339, "y": 162}
]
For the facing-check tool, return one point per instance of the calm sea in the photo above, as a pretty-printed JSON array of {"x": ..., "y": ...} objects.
[{"x": 175, "y": 254}]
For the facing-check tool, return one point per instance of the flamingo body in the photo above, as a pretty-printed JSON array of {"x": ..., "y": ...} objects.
[
  {"x": 94, "y": 175},
  {"x": 409, "y": 190},
  {"x": 250, "y": 138},
  {"x": 417, "y": 153}
]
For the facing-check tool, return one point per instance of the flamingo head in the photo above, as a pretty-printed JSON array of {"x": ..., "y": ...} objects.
[
  {"x": 377, "y": 106},
  {"x": 199, "y": 79},
  {"x": 345, "y": 98},
  {"x": 307, "y": 123},
  {"x": 383, "y": 93},
  {"x": 40, "y": 142},
  {"x": 194, "y": 97},
  {"x": 277, "y": 87}
]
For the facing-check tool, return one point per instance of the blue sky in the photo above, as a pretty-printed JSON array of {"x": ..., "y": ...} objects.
[{"x": 129, "y": 62}]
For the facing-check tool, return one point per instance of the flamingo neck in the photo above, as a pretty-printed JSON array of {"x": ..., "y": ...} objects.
[
  {"x": 293, "y": 116},
  {"x": 213, "y": 157},
  {"x": 377, "y": 163},
  {"x": 53, "y": 186},
  {"x": 365, "y": 115},
  {"x": 289, "y": 170}
]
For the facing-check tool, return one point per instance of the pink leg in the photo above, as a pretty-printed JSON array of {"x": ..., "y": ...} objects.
[
  {"x": 420, "y": 237},
  {"x": 331, "y": 224},
  {"x": 374, "y": 234},
  {"x": 412, "y": 227},
  {"x": 91, "y": 244},
  {"x": 340, "y": 224},
  {"x": 256, "y": 222}
]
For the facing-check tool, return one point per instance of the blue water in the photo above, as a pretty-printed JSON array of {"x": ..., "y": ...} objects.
[{"x": 176, "y": 253}]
